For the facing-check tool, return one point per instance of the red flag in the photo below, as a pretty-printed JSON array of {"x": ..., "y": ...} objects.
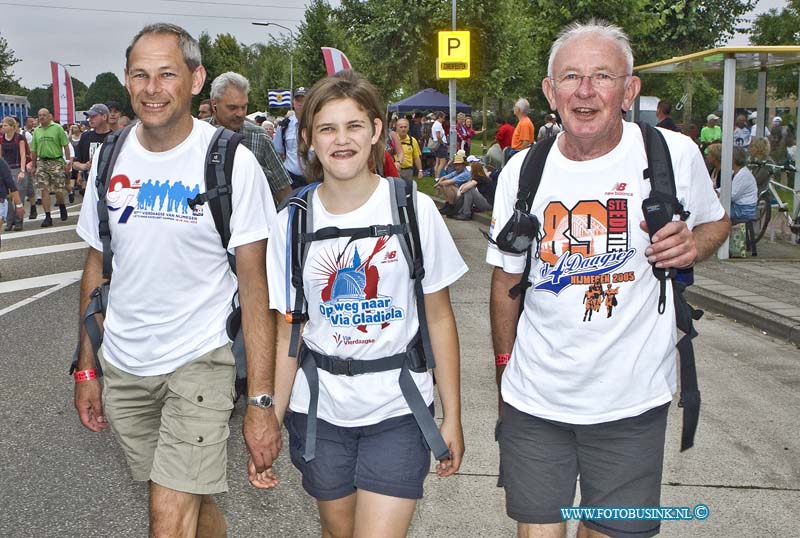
[
  {"x": 335, "y": 60},
  {"x": 63, "y": 100}
]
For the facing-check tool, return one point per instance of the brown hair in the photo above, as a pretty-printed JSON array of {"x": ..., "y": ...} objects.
[
  {"x": 476, "y": 172},
  {"x": 345, "y": 84},
  {"x": 10, "y": 120}
]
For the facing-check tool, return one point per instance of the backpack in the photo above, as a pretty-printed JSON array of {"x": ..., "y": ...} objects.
[
  {"x": 662, "y": 179},
  {"x": 218, "y": 174},
  {"x": 548, "y": 131},
  {"x": 418, "y": 356},
  {"x": 283, "y": 124}
]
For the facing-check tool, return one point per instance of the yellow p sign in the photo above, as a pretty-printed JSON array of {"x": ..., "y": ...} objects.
[{"x": 453, "y": 59}]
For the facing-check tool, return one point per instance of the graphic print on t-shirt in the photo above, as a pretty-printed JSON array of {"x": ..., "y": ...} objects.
[
  {"x": 349, "y": 296},
  {"x": 587, "y": 245},
  {"x": 161, "y": 200}
]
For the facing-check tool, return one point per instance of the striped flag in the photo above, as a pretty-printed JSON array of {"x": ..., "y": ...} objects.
[
  {"x": 63, "y": 100},
  {"x": 280, "y": 98},
  {"x": 335, "y": 60}
]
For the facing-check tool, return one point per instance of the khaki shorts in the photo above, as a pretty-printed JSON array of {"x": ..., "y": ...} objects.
[
  {"x": 50, "y": 175},
  {"x": 173, "y": 428}
]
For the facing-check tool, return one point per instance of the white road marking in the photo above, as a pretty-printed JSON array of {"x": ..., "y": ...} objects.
[
  {"x": 40, "y": 281},
  {"x": 25, "y": 252},
  {"x": 8, "y": 236},
  {"x": 40, "y": 295}
]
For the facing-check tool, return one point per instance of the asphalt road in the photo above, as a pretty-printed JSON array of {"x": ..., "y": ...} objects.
[{"x": 59, "y": 480}]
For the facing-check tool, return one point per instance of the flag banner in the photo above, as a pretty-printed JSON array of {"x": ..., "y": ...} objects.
[
  {"x": 280, "y": 98},
  {"x": 335, "y": 60},
  {"x": 63, "y": 100}
]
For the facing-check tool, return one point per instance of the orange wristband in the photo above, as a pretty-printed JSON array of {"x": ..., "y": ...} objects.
[{"x": 85, "y": 375}]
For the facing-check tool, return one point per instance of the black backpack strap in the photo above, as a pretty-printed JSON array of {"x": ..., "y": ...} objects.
[
  {"x": 109, "y": 152},
  {"x": 300, "y": 220},
  {"x": 662, "y": 182},
  {"x": 530, "y": 177}
]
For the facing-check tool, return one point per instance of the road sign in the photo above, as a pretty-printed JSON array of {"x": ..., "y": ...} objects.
[{"x": 453, "y": 61}]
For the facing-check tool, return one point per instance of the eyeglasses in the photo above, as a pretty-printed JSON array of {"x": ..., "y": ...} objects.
[{"x": 600, "y": 81}]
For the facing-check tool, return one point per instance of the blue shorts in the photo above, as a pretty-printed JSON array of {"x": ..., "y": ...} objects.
[{"x": 390, "y": 458}]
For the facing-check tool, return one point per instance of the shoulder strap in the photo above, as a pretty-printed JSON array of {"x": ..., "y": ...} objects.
[
  {"x": 531, "y": 173},
  {"x": 300, "y": 220},
  {"x": 109, "y": 153},
  {"x": 219, "y": 190}
]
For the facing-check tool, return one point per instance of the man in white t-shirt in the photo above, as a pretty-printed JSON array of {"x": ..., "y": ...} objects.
[
  {"x": 581, "y": 394},
  {"x": 168, "y": 369},
  {"x": 741, "y": 132}
]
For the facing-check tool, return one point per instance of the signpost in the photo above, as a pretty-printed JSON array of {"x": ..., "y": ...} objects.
[{"x": 453, "y": 63}]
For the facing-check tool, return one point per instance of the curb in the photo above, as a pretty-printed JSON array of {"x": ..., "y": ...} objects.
[{"x": 772, "y": 324}]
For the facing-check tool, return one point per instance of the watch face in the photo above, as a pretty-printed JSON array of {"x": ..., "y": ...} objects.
[{"x": 265, "y": 401}]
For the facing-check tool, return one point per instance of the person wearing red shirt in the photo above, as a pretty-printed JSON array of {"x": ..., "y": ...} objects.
[{"x": 504, "y": 133}]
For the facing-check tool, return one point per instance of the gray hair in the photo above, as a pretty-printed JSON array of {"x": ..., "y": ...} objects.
[
  {"x": 225, "y": 80},
  {"x": 739, "y": 156},
  {"x": 190, "y": 48},
  {"x": 597, "y": 27},
  {"x": 523, "y": 105}
]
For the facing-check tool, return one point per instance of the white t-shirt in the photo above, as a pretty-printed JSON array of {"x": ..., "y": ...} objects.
[
  {"x": 741, "y": 137},
  {"x": 438, "y": 128},
  {"x": 361, "y": 305},
  {"x": 744, "y": 190},
  {"x": 171, "y": 287},
  {"x": 605, "y": 368}
]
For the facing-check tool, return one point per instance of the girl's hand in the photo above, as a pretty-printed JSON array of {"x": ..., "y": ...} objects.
[{"x": 454, "y": 438}]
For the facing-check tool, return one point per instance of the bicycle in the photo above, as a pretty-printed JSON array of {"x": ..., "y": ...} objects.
[{"x": 770, "y": 197}]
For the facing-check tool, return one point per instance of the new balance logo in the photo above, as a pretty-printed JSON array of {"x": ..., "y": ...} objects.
[
  {"x": 390, "y": 256},
  {"x": 620, "y": 187}
]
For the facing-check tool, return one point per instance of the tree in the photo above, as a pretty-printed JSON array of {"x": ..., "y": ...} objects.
[
  {"x": 107, "y": 87},
  {"x": 42, "y": 97},
  {"x": 318, "y": 29},
  {"x": 8, "y": 82},
  {"x": 779, "y": 28}
]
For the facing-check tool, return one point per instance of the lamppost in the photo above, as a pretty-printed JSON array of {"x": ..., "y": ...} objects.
[{"x": 291, "y": 53}]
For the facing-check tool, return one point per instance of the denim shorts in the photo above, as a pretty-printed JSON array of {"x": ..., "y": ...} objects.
[
  {"x": 619, "y": 463},
  {"x": 390, "y": 458}
]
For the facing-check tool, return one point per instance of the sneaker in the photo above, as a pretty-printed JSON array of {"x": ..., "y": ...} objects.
[
  {"x": 460, "y": 217},
  {"x": 33, "y": 214},
  {"x": 18, "y": 227},
  {"x": 72, "y": 197},
  {"x": 47, "y": 222},
  {"x": 63, "y": 209}
]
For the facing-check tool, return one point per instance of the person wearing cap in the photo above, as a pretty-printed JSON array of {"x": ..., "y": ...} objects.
[
  {"x": 92, "y": 139},
  {"x": 450, "y": 183},
  {"x": 114, "y": 113},
  {"x": 753, "y": 119},
  {"x": 550, "y": 128},
  {"x": 286, "y": 140},
  {"x": 780, "y": 139},
  {"x": 411, "y": 152},
  {"x": 711, "y": 132},
  {"x": 229, "y": 100},
  {"x": 741, "y": 132}
]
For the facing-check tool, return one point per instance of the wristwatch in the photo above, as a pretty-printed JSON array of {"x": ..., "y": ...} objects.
[{"x": 264, "y": 401}]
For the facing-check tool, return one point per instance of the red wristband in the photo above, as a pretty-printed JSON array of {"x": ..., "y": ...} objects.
[
  {"x": 502, "y": 359},
  {"x": 85, "y": 375}
]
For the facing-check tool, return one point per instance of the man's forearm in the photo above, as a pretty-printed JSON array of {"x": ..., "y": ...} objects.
[
  {"x": 504, "y": 315},
  {"x": 709, "y": 236},
  {"x": 258, "y": 326},
  {"x": 91, "y": 279}
]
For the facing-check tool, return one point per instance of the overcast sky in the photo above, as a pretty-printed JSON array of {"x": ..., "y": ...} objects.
[{"x": 95, "y": 33}]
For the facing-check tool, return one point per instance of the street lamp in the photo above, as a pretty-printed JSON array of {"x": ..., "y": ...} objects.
[{"x": 291, "y": 53}]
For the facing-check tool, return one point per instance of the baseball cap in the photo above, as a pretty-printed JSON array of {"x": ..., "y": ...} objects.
[
  {"x": 712, "y": 117},
  {"x": 96, "y": 109},
  {"x": 300, "y": 92},
  {"x": 777, "y": 119},
  {"x": 753, "y": 116},
  {"x": 473, "y": 159}
]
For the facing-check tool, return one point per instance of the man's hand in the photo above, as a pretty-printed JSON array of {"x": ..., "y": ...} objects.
[
  {"x": 453, "y": 436},
  {"x": 672, "y": 246},
  {"x": 262, "y": 435},
  {"x": 89, "y": 406},
  {"x": 20, "y": 212}
]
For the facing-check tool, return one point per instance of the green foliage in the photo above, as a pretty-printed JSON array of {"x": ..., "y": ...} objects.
[
  {"x": 319, "y": 29},
  {"x": 779, "y": 28},
  {"x": 8, "y": 82},
  {"x": 107, "y": 87},
  {"x": 42, "y": 97}
]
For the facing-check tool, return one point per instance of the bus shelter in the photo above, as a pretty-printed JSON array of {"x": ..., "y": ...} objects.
[{"x": 729, "y": 60}]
